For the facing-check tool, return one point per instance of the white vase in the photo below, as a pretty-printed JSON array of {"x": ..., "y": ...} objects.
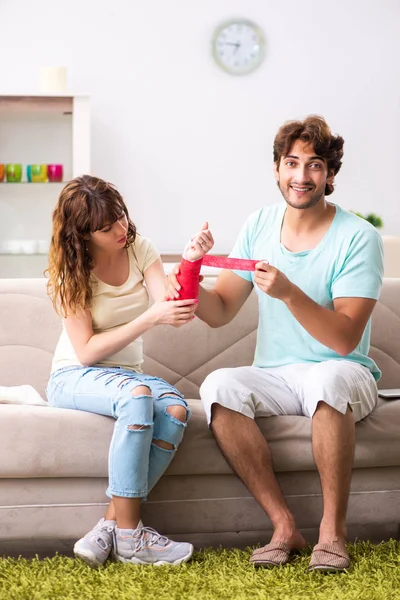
[{"x": 53, "y": 80}]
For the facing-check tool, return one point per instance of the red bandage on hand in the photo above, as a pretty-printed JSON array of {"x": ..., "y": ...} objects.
[{"x": 188, "y": 279}]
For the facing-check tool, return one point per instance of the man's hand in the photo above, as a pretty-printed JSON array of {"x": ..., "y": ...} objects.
[
  {"x": 272, "y": 282},
  {"x": 200, "y": 244}
]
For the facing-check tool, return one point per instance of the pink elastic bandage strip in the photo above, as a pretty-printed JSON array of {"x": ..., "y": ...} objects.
[
  {"x": 236, "y": 264},
  {"x": 188, "y": 276}
]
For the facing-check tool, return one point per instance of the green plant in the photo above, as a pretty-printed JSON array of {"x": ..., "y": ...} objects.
[
  {"x": 371, "y": 218},
  {"x": 374, "y": 574}
]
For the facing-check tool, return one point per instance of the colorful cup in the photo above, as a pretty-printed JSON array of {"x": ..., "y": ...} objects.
[
  {"x": 2, "y": 172},
  {"x": 36, "y": 173},
  {"x": 55, "y": 172},
  {"x": 14, "y": 172}
]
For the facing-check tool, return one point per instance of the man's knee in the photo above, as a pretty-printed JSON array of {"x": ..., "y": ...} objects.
[
  {"x": 225, "y": 388},
  {"x": 223, "y": 419},
  {"x": 339, "y": 386},
  {"x": 326, "y": 410},
  {"x": 215, "y": 382}
]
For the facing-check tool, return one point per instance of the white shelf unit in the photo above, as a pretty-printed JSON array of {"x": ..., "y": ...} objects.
[{"x": 37, "y": 129}]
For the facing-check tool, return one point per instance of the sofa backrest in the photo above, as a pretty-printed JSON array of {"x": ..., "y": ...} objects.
[
  {"x": 29, "y": 330},
  {"x": 385, "y": 334}
]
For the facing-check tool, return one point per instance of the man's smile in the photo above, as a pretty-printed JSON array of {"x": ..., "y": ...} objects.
[{"x": 301, "y": 189}]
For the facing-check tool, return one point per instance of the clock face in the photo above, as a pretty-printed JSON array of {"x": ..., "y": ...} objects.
[{"x": 238, "y": 47}]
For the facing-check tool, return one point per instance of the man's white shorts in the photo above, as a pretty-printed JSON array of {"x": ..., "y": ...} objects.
[{"x": 292, "y": 389}]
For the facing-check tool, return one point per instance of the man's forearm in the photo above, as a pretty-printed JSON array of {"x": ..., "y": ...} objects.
[
  {"x": 212, "y": 309},
  {"x": 331, "y": 328}
]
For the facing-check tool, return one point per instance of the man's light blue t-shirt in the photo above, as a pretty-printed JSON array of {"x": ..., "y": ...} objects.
[{"x": 348, "y": 262}]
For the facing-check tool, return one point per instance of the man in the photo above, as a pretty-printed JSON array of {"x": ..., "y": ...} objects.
[{"x": 316, "y": 289}]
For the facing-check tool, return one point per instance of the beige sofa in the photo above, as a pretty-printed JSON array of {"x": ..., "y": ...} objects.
[{"x": 53, "y": 462}]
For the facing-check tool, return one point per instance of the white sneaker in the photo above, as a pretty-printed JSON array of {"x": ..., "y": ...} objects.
[
  {"x": 145, "y": 546},
  {"x": 95, "y": 547}
]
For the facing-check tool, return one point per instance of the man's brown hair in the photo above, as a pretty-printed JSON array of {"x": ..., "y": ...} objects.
[{"x": 315, "y": 131}]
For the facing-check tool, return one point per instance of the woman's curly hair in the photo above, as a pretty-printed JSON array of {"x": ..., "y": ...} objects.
[
  {"x": 315, "y": 131},
  {"x": 85, "y": 205}
]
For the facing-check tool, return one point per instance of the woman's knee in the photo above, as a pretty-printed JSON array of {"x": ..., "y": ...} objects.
[
  {"x": 178, "y": 411},
  {"x": 135, "y": 408},
  {"x": 141, "y": 390},
  {"x": 170, "y": 423}
]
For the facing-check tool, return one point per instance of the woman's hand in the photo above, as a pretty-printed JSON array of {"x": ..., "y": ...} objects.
[
  {"x": 172, "y": 285},
  {"x": 175, "y": 312},
  {"x": 200, "y": 244}
]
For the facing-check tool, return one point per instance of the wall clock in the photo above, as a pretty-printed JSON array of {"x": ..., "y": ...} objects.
[{"x": 238, "y": 46}]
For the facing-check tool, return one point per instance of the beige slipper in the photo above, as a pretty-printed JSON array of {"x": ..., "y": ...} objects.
[
  {"x": 329, "y": 558},
  {"x": 273, "y": 554}
]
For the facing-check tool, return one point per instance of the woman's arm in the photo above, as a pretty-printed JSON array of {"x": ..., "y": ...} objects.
[
  {"x": 154, "y": 278},
  {"x": 92, "y": 348}
]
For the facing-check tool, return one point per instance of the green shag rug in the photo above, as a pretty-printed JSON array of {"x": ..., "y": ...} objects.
[{"x": 212, "y": 574}]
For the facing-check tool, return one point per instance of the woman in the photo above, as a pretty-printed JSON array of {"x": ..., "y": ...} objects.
[{"x": 100, "y": 273}]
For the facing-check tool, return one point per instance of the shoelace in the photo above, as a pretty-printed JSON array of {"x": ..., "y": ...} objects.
[
  {"x": 101, "y": 539},
  {"x": 146, "y": 536}
]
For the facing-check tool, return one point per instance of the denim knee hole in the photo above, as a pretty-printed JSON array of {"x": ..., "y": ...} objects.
[
  {"x": 174, "y": 434},
  {"x": 140, "y": 427}
]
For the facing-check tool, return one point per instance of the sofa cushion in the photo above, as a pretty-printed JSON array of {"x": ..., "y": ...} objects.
[
  {"x": 29, "y": 329},
  {"x": 385, "y": 334},
  {"x": 55, "y": 442}
]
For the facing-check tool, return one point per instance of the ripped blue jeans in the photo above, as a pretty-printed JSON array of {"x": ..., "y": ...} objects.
[{"x": 135, "y": 462}]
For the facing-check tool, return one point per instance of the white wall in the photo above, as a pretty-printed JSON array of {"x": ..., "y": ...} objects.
[{"x": 185, "y": 142}]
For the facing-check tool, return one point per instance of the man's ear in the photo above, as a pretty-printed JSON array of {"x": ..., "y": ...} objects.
[
  {"x": 275, "y": 169},
  {"x": 331, "y": 176}
]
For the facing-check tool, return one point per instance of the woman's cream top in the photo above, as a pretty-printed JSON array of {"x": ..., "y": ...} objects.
[{"x": 114, "y": 306}]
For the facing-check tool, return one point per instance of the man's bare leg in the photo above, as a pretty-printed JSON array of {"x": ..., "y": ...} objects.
[
  {"x": 248, "y": 454},
  {"x": 333, "y": 446}
]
